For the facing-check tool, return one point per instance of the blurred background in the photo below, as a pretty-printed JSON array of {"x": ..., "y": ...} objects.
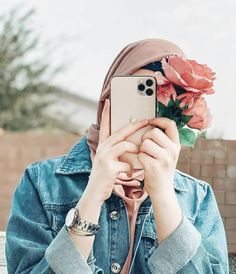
[
  {"x": 54, "y": 56},
  {"x": 80, "y": 39}
]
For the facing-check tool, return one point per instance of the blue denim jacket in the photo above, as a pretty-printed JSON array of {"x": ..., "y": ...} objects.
[{"x": 37, "y": 240}]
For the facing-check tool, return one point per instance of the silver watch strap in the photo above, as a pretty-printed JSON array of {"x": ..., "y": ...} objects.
[
  {"x": 79, "y": 232},
  {"x": 86, "y": 226},
  {"x": 83, "y": 227}
]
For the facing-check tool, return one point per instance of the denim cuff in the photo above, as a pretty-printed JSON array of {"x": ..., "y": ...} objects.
[
  {"x": 63, "y": 256},
  {"x": 176, "y": 250}
]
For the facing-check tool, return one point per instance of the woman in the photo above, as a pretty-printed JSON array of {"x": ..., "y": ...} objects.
[{"x": 171, "y": 224}]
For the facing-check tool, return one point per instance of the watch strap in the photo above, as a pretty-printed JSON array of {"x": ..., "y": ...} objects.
[{"x": 83, "y": 227}]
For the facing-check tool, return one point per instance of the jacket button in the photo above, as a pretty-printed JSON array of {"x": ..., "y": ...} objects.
[
  {"x": 115, "y": 268},
  {"x": 114, "y": 215}
]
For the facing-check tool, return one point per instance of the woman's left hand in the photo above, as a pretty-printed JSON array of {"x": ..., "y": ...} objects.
[{"x": 159, "y": 153}]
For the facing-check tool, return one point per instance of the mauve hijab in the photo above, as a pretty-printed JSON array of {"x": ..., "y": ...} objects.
[{"x": 131, "y": 58}]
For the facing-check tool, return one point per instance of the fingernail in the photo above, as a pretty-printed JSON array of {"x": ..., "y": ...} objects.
[{"x": 106, "y": 103}]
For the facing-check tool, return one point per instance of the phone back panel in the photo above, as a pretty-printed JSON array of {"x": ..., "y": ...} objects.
[{"x": 128, "y": 104}]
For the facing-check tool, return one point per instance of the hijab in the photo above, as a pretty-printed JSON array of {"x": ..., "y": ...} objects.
[{"x": 132, "y": 57}]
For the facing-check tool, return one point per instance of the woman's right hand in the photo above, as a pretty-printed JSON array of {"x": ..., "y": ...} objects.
[{"x": 106, "y": 164}]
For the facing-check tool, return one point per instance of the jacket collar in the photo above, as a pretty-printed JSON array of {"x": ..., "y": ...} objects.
[{"x": 78, "y": 161}]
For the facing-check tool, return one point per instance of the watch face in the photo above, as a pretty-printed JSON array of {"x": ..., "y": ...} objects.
[{"x": 70, "y": 217}]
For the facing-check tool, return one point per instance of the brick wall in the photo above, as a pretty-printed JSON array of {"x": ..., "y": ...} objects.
[
  {"x": 211, "y": 160},
  {"x": 214, "y": 161},
  {"x": 17, "y": 151}
]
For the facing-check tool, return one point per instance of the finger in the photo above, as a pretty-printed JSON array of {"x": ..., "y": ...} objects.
[
  {"x": 147, "y": 161},
  {"x": 122, "y": 147},
  {"x": 158, "y": 136},
  {"x": 168, "y": 125},
  {"x": 125, "y": 167},
  {"x": 125, "y": 131},
  {"x": 152, "y": 149},
  {"x": 104, "y": 131},
  {"x": 130, "y": 172}
]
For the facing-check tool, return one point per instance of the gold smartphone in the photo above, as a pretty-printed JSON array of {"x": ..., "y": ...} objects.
[{"x": 132, "y": 98}]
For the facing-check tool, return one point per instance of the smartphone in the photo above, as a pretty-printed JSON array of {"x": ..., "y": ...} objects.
[{"x": 132, "y": 98}]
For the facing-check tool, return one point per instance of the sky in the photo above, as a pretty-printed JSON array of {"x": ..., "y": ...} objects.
[{"x": 90, "y": 34}]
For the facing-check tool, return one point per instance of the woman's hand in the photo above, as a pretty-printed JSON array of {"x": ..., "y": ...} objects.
[
  {"x": 106, "y": 165},
  {"x": 159, "y": 154},
  {"x": 103, "y": 174}
]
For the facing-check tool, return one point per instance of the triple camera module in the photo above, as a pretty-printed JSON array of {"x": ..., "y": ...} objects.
[{"x": 144, "y": 87}]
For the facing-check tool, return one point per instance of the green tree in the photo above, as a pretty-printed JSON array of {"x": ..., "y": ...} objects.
[{"x": 24, "y": 93}]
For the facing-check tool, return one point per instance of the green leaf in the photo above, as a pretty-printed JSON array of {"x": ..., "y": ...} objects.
[
  {"x": 176, "y": 119},
  {"x": 179, "y": 90},
  {"x": 187, "y": 137},
  {"x": 181, "y": 124},
  {"x": 171, "y": 103},
  {"x": 177, "y": 102},
  {"x": 186, "y": 118},
  {"x": 162, "y": 109}
]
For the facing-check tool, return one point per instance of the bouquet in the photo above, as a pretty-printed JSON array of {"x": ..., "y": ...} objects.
[{"x": 182, "y": 86}]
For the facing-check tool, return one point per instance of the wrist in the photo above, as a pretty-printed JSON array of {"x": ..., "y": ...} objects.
[
  {"x": 163, "y": 194},
  {"x": 166, "y": 202},
  {"x": 91, "y": 198},
  {"x": 92, "y": 190},
  {"x": 89, "y": 209}
]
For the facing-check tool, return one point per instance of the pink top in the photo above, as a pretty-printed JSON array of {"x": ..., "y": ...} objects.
[{"x": 129, "y": 190}]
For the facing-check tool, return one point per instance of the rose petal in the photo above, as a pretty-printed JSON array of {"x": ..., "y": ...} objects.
[
  {"x": 196, "y": 81},
  {"x": 188, "y": 99},
  {"x": 194, "y": 90},
  {"x": 202, "y": 70},
  {"x": 189, "y": 74},
  {"x": 180, "y": 64},
  {"x": 172, "y": 75},
  {"x": 209, "y": 91},
  {"x": 200, "y": 122},
  {"x": 199, "y": 107},
  {"x": 166, "y": 93}
]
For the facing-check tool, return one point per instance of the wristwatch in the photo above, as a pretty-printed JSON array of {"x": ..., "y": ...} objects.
[{"x": 80, "y": 226}]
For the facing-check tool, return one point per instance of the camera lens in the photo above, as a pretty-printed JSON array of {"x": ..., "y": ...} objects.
[
  {"x": 149, "y": 82},
  {"x": 149, "y": 91},
  {"x": 141, "y": 87}
]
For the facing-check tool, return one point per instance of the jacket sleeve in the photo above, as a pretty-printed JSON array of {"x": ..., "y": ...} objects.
[
  {"x": 30, "y": 245},
  {"x": 198, "y": 248}
]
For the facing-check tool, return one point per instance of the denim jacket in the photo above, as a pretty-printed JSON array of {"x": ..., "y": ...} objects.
[{"x": 37, "y": 240}]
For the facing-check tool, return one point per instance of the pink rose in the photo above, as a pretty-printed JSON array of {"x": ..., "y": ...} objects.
[
  {"x": 187, "y": 99},
  {"x": 201, "y": 114},
  {"x": 165, "y": 93},
  {"x": 188, "y": 74}
]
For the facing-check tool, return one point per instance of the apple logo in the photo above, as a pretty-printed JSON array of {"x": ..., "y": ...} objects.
[{"x": 132, "y": 119}]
